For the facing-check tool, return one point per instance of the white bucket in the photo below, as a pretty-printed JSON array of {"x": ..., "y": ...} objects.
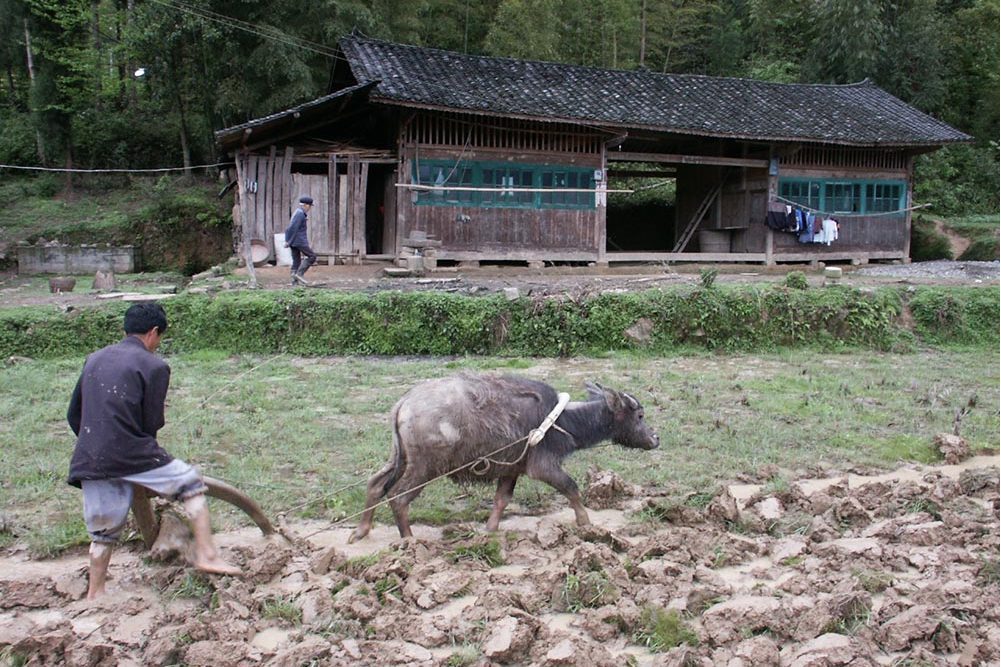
[{"x": 283, "y": 255}]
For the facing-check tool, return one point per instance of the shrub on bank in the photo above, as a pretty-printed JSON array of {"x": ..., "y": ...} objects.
[{"x": 317, "y": 322}]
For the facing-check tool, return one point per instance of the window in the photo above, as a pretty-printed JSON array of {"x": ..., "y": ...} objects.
[
  {"x": 842, "y": 197},
  {"x": 845, "y": 196},
  {"x": 882, "y": 197},
  {"x": 508, "y": 181},
  {"x": 564, "y": 181},
  {"x": 440, "y": 176},
  {"x": 806, "y": 193},
  {"x": 504, "y": 185}
]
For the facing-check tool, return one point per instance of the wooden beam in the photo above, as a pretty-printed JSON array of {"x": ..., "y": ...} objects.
[
  {"x": 674, "y": 158},
  {"x": 642, "y": 173}
]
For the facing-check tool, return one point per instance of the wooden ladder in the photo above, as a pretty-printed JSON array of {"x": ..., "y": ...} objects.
[{"x": 693, "y": 224}]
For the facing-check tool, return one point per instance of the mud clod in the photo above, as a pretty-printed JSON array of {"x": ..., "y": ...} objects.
[{"x": 855, "y": 572}]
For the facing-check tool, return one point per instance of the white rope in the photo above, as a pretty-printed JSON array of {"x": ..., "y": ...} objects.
[
  {"x": 511, "y": 190},
  {"x": 536, "y": 435},
  {"x": 850, "y": 215}
]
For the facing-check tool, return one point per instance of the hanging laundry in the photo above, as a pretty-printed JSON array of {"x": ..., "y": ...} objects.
[
  {"x": 806, "y": 234},
  {"x": 829, "y": 231},
  {"x": 775, "y": 218}
]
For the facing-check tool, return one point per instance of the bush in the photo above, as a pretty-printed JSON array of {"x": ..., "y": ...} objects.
[
  {"x": 183, "y": 228},
  {"x": 796, "y": 280},
  {"x": 17, "y": 138},
  {"x": 984, "y": 249},
  {"x": 964, "y": 316},
  {"x": 927, "y": 243},
  {"x": 393, "y": 323}
]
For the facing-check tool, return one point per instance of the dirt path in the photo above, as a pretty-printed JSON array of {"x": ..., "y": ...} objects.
[
  {"x": 957, "y": 244},
  {"x": 18, "y": 290},
  {"x": 850, "y": 570}
]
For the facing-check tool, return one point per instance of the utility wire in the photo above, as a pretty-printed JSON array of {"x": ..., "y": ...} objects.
[
  {"x": 115, "y": 171},
  {"x": 266, "y": 32}
]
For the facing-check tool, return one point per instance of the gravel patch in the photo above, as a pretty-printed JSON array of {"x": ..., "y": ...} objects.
[{"x": 939, "y": 269}]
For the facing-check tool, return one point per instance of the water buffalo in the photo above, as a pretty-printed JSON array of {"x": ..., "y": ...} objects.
[{"x": 455, "y": 427}]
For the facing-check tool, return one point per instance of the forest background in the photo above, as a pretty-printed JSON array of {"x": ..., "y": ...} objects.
[{"x": 142, "y": 84}]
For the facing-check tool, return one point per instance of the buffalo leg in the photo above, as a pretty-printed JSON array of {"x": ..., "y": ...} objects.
[
  {"x": 376, "y": 490},
  {"x": 505, "y": 490},
  {"x": 562, "y": 482},
  {"x": 406, "y": 489}
]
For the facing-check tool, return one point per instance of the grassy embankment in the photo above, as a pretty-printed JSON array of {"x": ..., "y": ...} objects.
[{"x": 297, "y": 433}]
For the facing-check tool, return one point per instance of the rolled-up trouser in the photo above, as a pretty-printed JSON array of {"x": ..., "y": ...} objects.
[
  {"x": 106, "y": 502},
  {"x": 299, "y": 266}
]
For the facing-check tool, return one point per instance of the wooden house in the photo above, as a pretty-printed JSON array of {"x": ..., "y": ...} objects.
[{"x": 502, "y": 159}]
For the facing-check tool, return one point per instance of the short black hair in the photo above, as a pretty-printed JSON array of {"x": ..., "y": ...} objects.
[{"x": 143, "y": 316}]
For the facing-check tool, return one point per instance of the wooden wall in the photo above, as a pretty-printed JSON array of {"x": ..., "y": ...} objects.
[
  {"x": 270, "y": 186},
  {"x": 266, "y": 193},
  {"x": 500, "y": 233}
]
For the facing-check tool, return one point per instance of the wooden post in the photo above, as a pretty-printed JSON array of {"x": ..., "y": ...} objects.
[
  {"x": 907, "y": 214},
  {"x": 246, "y": 225},
  {"x": 331, "y": 205}
]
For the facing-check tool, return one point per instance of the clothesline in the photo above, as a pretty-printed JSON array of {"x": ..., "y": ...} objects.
[
  {"x": 849, "y": 215},
  {"x": 511, "y": 190}
]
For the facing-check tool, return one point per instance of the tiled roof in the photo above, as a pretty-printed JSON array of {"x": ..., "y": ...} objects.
[
  {"x": 230, "y": 136},
  {"x": 859, "y": 114}
]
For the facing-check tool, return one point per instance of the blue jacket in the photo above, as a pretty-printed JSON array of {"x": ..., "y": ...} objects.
[
  {"x": 116, "y": 410},
  {"x": 295, "y": 233}
]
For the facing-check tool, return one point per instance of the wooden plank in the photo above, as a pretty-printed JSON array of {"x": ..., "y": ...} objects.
[
  {"x": 348, "y": 236},
  {"x": 272, "y": 195},
  {"x": 389, "y": 215},
  {"x": 675, "y": 158},
  {"x": 287, "y": 187},
  {"x": 337, "y": 194},
  {"x": 361, "y": 217},
  {"x": 264, "y": 198},
  {"x": 331, "y": 200},
  {"x": 685, "y": 257}
]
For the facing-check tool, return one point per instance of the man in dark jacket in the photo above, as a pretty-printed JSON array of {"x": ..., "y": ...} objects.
[
  {"x": 297, "y": 239},
  {"x": 116, "y": 409}
]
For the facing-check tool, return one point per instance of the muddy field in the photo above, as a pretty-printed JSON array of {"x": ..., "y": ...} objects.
[{"x": 890, "y": 570}]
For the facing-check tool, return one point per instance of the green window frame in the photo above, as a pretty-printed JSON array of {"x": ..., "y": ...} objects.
[
  {"x": 845, "y": 196},
  {"x": 506, "y": 181}
]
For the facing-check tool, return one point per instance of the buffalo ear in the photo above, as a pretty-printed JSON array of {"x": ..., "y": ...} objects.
[{"x": 616, "y": 401}]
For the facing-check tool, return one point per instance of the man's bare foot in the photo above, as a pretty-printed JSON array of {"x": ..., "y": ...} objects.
[{"x": 217, "y": 566}]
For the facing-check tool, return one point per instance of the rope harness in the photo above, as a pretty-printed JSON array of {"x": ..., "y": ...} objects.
[{"x": 533, "y": 438}]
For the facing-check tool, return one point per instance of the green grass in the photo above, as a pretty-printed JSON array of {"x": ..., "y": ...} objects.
[
  {"x": 487, "y": 552},
  {"x": 302, "y": 435},
  {"x": 282, "y": 608},
  {"x": 31, "y": 208},
  {"x": 590, "y": 589},
  {"x": 193, "y": 585},
  {"x": 662, "y": 629},
  {"x": 972, "y": 226}
]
